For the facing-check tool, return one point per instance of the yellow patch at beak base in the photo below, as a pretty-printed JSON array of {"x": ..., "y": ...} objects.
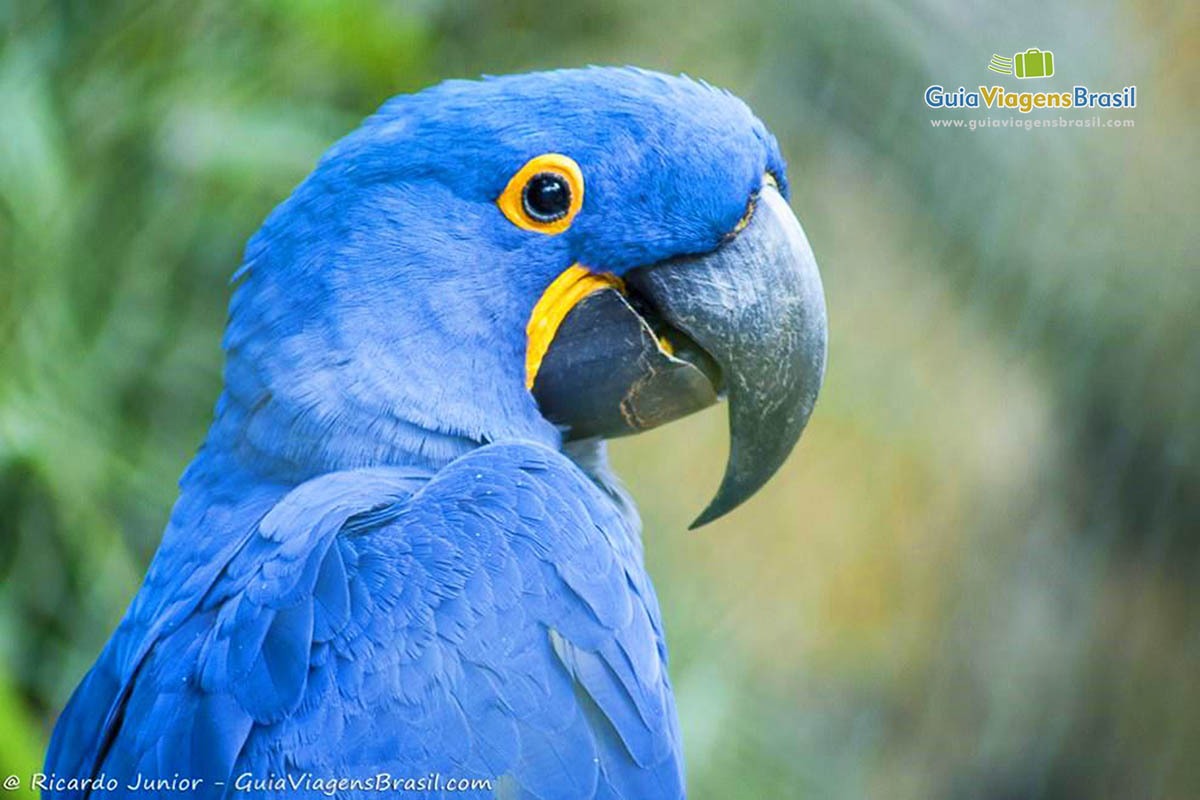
[{"x": 563, "y": 294}]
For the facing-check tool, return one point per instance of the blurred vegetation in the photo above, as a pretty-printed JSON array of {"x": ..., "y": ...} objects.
[{"x": 976, "y": 576}]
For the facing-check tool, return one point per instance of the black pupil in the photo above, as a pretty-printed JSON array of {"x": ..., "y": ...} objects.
[{"x": 547, "y": 197}]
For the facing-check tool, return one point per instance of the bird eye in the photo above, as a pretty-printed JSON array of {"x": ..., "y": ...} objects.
[
  {"x": 547, "y": 197},
  {"x": 544, "y": 195}
]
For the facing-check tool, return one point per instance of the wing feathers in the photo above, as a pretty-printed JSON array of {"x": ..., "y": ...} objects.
[{"x": 497, "y": 623}]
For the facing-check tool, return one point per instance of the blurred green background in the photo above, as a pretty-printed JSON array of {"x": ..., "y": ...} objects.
[{"x": 975, "y": 578}]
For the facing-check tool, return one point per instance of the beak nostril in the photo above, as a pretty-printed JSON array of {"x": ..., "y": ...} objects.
[
  {"x": 745, "y": 220},
  {"x": 768, "y": 182}
]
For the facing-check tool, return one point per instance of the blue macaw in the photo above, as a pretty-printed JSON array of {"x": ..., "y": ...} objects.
[{"x": 400, "y": 560}]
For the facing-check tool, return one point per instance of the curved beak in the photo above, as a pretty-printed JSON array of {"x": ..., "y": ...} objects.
[{"x": 746, "y": 321}]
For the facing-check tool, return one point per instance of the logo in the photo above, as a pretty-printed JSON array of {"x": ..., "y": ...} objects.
[{"x": 1033, "y": 63}]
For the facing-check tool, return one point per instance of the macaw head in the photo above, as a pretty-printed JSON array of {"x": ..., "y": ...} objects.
[{"x": 566, "y": 254}]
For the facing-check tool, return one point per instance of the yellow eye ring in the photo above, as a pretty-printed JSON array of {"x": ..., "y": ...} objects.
[{"x": 544, "y": 195}]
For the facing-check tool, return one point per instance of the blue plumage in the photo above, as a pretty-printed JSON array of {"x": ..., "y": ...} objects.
[{"x": 381, "y": 559}]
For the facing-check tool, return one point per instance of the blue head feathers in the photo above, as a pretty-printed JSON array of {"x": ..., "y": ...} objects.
[{"x": 388, "y": 296}]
